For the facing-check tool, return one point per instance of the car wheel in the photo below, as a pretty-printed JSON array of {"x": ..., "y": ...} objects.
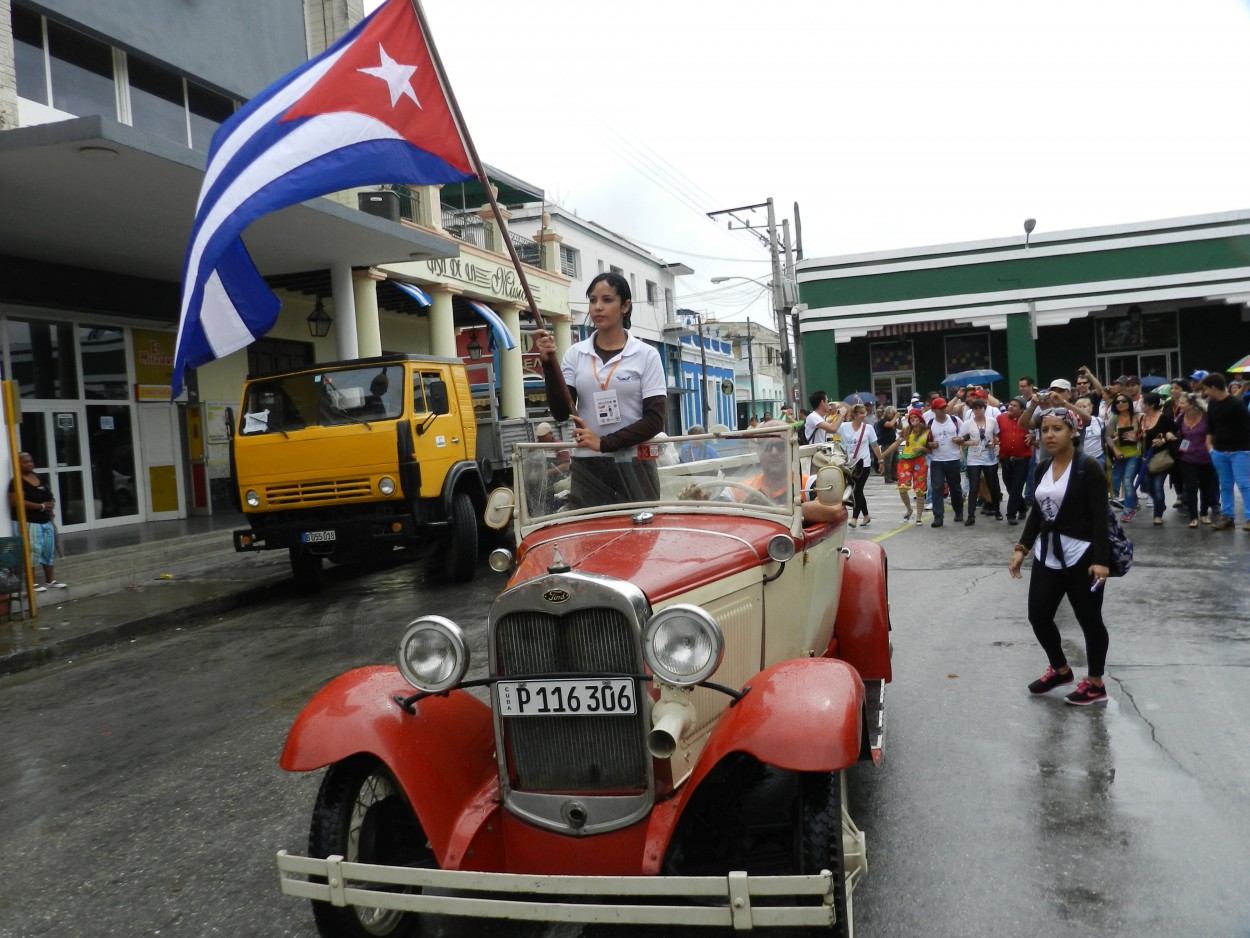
[
  {"x": 306, "y": 570},
  {"x": 460, "y": 549},
  {"x": 362, "y": 816},
  {"x": 829, "y": 840}
]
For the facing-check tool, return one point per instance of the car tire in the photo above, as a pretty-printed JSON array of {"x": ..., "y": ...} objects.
[
  {"x": 306, "y": 570},
  {"x": 361, "y": 814},
  {"x": 460, "y": 547},
  {"x": 828, "y": 840}
]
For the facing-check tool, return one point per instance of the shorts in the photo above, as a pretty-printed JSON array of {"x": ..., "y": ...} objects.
[
  {"x": 42, "y": 539},
  {"x": 913, "y": 474}
]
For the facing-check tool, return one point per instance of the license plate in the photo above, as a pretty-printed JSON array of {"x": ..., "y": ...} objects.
[
  {"x": 567, "y": 698},
  {"x": 315, "y": 537}
]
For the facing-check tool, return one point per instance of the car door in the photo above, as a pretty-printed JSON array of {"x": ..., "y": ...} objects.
[{"x": 438, "y": 428}]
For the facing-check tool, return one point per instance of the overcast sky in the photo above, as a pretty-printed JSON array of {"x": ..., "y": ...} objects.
[{"x": 893, "y": 123}]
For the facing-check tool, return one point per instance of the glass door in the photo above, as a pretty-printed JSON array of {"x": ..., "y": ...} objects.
[
  {"x": 54, "y": 435},
  {"x": 897, "y": 388}
]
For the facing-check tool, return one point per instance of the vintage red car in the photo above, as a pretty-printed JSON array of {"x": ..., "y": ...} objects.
[{"x": 675, "y": 688}]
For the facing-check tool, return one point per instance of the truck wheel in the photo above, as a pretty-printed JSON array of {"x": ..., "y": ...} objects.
[
  {"x": 306, "y": 569},
  {"x": 829, "y": 840},
  {"x": 460, "y": 551},
  {"x": 362, "y": 815}
]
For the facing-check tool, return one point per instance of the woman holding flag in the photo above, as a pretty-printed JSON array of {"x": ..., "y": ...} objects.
[{"x": 617, "y": 385}]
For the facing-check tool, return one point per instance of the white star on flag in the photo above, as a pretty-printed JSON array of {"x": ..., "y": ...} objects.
[{"x": 398, "y": 77}]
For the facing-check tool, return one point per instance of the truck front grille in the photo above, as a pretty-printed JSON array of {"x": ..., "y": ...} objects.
[
  {"x": 572, "y": 753},
  {"x": 324, "y": 492}
]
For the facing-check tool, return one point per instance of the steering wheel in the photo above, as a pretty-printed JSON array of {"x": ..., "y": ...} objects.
[{"x": 753, "y": 494}]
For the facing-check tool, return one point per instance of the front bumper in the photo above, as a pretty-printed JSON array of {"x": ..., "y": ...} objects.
[{"x": 720, "y": 901}]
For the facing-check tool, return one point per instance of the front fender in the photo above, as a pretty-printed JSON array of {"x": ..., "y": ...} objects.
[
  {"x": 802, "y": 715},
  {"x": 861, "y": 632},
  {"x": 442, "y": 756}
]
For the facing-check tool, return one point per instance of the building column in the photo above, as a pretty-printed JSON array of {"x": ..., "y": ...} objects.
[
  {"x": 442, "y": 322},
  {"x": 368, "y": 327},
  {"x": 1021, "y": 350},
  {"x": 511, "y": 375},
  {"x": 344, "y": 298},
  {"x": 550, "y": 242},
  {"x": 820, "y": 364},
  {"x": 493, "y": 236},
  {"x": 562, "y": 330}
]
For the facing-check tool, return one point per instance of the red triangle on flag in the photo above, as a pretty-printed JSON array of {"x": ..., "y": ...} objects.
[{"x": 387, "y": 74}]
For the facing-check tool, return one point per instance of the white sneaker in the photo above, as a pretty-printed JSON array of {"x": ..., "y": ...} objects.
[
  {"x": 58, "y": 585},
  {"x": 41, "y": 589}
]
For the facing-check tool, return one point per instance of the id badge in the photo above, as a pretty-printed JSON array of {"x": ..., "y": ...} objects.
[
  {"x": 1184, "y": 446},
  {"x": 607, "y": 407}
]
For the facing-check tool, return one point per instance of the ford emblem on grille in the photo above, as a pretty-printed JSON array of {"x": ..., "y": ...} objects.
[{"x": 556, "y": 596}]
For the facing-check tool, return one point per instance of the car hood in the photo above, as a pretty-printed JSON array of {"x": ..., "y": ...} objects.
[{"x": 669, "y": 556}]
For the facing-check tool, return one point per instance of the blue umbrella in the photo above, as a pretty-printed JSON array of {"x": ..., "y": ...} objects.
[
  {"x": 975, "y": 376},
  {"x": 1153, "y": 381},
  {"x": 861, "y": 397}
]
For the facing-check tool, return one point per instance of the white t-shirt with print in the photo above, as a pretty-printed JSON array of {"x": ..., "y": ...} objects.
[
  {"x": 981, "y": 454},
  {"x": 610, "y": 394},
  {"x": 944, "y": 433},
  {"x": 863, "y": 438}
]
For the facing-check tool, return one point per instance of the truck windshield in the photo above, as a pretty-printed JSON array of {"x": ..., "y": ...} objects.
[{"x": 323, "y": 399}]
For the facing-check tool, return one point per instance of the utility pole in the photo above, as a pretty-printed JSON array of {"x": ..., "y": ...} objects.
[
  {"x": 750, "y": 369},
  {"x": 707, "y": 404},
  {"x": 779, "y": 306},
  {"x": 791, "y": 319},
  {"x": 778, "y": 285}
]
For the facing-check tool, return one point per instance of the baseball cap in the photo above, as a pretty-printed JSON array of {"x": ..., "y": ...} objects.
[
  {"x": 1061, "y": 384},
  {"x": 980, "y": 393},
  {"x": 938, "y": 402},
  {"x": 542, "y": 429},
  {"x": 1123, "y": 379},
  {"x": 1198, "y": 375}
]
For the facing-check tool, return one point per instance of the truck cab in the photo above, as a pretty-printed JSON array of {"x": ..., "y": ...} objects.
[{"x": 352, "y": 459}]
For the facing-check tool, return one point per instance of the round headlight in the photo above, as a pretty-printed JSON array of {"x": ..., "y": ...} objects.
[
  {"x": 683, "y": 645},
  {"x": 432, "y": 654},
  {"x": 253, "y": 498},
  {"x": 387, "y": 486}
]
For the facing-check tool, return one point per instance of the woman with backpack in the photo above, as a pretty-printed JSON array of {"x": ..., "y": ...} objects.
[{"x": 1067, "y": 532}]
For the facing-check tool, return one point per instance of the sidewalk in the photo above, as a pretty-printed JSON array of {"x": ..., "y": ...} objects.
[{"x": 137, "y": 580}]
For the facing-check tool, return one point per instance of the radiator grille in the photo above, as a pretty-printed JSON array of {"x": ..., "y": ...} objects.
[
  {"x": 317, "y": 493},
  {"x": 575, "y": 753}
]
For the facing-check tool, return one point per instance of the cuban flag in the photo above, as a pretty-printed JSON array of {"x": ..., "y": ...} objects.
[{"x": 369, "y": 110}]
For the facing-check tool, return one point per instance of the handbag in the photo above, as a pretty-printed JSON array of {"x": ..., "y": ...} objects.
[{"x": 1160, "y": 462}]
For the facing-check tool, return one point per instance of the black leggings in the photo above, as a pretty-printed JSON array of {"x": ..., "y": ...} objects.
[
  {"x": 1047, "y": 588},
  {"x": 990, "y": 475},
  {"x": 858, "y": 478}
]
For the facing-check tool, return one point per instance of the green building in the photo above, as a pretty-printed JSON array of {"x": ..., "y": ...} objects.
[{"x": 1152, "y": 298}]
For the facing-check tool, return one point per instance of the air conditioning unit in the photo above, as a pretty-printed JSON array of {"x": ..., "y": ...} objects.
[{"x": 382, "y": 204}]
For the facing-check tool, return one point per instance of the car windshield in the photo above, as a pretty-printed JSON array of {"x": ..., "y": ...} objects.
[
  {"x": 751, "y": 472},
  {"x": 323, "y": 399}
]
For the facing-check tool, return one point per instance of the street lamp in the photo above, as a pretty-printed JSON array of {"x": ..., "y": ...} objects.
[
  {"x": 319, "y": 321},
  {"x": 475, "y": 347}
]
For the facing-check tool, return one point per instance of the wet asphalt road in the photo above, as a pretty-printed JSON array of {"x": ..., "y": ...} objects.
[{"x": 139, "y": 791}]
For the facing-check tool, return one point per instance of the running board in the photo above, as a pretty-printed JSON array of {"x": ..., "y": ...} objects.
[{"x": 874, "y": 715}]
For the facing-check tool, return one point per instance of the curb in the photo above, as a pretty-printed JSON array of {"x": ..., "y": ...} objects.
[{"x": 107, "y": 637}]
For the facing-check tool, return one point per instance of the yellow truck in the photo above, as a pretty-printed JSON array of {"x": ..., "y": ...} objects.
[{"x": 348, "y": 460}]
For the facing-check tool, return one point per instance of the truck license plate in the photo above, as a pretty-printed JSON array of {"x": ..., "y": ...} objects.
[
  {"x": 567, "y": 698},
  {"x": 314, "y": 537}
]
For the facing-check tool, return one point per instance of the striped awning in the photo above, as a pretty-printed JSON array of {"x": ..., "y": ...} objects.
[
  {"x": 415, "y": 292},
  {"x": 502, "y": 336},
  {"x": 910, "y": 328}
]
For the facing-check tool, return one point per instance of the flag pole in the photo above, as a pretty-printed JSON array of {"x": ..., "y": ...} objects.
[{"x": 478, "y": 168}]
